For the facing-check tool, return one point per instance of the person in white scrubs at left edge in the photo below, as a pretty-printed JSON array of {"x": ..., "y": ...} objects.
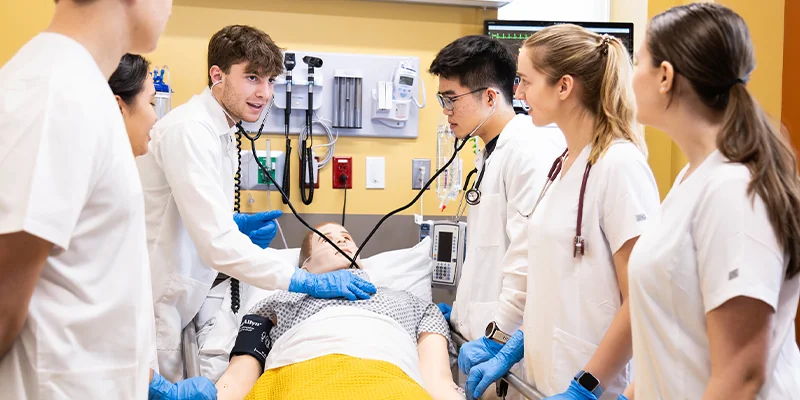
[
  {"x": 715, "y": 281},
  {"x": 76, "y": 312},
  {"x": 577, "y": 339},
  {"x": 187, "y": 177}
]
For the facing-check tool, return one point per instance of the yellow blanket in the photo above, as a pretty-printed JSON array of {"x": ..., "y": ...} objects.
[{"x": 337, "y": 377}]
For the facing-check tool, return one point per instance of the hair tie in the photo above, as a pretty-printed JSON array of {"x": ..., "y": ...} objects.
[
  {"x": 605, "y": 40},
  {"x": 736, "y": 81}
]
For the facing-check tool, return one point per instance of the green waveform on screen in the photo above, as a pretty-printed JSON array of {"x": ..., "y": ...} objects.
[{"x": 511, "y": 36}]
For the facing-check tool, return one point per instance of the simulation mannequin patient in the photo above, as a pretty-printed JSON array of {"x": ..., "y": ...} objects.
[{"x": 369, "y": 363}]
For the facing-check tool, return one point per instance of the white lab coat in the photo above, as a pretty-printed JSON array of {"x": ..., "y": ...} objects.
[
  {"x": 572, "y": 301},
  {"x": 712, "y": 243},
  {"x": 68, "y": 177},
  {"x": 492, "y": 285},
  {"x": 188, "y": 186}
]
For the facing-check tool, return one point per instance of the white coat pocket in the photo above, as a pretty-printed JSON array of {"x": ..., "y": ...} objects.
[
  {"x": 570, "y": 355},
  {"x": 112, "y": 383}
]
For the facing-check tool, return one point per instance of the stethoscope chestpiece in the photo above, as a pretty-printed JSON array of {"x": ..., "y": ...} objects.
[
  {"x": 579, "y": 246},
  {"x": 473, "y": 197}
]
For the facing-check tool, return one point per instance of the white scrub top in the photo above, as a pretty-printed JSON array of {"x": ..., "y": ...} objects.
[
  {"x": 68, "y": 177},
  {"x": 492, "y": 285},
  {"x": 711, "y": 243},
  {"x": 188, "y": 189},
  {"x": 572, "y": 301}
]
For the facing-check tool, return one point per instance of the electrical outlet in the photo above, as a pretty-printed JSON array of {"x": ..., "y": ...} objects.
[
  {"x": 420, "y": 172},
  {"x": 342, "y": 165}
]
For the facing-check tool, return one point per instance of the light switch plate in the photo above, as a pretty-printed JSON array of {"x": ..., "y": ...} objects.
[
  {"x": 376, "y": 172},
  {"x": 420, "y": 172}
]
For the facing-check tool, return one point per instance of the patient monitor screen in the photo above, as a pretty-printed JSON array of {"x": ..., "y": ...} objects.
[
  {"x": 445, "y": 250},
  {"x": 513, "y": 33}
]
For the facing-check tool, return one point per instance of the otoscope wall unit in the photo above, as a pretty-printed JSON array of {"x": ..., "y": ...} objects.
[{"x": 356, "y": 95}]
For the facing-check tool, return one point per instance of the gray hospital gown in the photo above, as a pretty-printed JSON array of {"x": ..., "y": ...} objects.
[{"x": 415, "y": 315}]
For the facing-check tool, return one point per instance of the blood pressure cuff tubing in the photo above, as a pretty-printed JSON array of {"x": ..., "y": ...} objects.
[{"x": 253, "y": 338}]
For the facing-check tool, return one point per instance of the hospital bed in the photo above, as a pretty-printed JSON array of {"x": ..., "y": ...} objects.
[{"x": 192, "y": 362}]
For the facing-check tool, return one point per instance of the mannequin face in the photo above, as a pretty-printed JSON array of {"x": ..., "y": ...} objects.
[{"x": 324, "y": 257}]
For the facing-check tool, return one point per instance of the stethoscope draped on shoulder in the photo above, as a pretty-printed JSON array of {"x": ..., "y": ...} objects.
[{"x": 579, "y": 242}]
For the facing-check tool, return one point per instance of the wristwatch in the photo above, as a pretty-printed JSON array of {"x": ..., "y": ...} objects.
[
  {"x": 589, "y": 382},
  {"x": 494, "y": 333}
]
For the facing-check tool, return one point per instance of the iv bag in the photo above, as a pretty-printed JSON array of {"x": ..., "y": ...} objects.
[
  {"x": 448, "y": 183},
  {"x": 163, "y": 91}
]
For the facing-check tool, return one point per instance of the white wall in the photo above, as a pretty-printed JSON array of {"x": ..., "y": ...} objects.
[{"x": 558, "y": 10}]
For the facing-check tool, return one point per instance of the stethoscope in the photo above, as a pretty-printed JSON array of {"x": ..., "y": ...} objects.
[
  {"x": 238, "y": 124},
  {"x": 578, "y": 243},
  {"x": 473, "y": 195}
]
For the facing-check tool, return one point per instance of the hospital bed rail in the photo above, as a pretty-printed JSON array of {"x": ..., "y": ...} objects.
[
  {"x": 514, "y": 381},
  {"x": 191, "y": 351}
]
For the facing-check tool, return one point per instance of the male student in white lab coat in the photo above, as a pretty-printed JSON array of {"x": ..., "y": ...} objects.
[
  {"x": 76, "y": 313},
  {"x": 476, "y": 88},
  {"x": 189, "y": 190}
]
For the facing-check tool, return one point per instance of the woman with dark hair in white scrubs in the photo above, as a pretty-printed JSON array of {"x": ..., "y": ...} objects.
[{"x": 715, "y": 282}]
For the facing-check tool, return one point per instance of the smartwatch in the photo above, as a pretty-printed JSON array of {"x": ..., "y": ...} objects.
[
  {"x": 589, "y": 382},
  {"x": 494, "y": 333}
]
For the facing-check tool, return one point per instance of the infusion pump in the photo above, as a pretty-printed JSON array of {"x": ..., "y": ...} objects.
[{"x": 448, "y": 249}]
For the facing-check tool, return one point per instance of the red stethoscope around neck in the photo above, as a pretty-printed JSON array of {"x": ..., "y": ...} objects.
[{"x": 579, "y": 243}]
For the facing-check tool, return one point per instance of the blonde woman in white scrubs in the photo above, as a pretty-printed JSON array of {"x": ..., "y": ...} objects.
[
  {"x": 714, "y": 282},
  {"x": 577, "y": 339}
]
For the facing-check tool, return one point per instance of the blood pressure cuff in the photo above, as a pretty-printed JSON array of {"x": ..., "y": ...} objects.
[{"x": 253, "y": 338}]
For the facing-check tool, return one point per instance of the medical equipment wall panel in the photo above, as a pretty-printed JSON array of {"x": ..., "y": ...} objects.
[{"x": 373, "y": 70}]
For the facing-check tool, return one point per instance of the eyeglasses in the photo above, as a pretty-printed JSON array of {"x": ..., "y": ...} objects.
[{"x": 448, "y": 102}]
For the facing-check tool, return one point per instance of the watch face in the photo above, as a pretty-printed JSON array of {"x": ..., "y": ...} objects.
[{"x": 588, "y": 381}]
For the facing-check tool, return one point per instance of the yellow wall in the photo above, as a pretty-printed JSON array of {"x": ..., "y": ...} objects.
[
  {"x": 20, "y": 21},
  {"x": 373, "y": 28},
  {"x": 765, "y": 20},
  {"x": 331, "y": 26}
]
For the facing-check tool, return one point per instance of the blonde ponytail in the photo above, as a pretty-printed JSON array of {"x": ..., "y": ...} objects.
[{"x": 569, "y": 49}]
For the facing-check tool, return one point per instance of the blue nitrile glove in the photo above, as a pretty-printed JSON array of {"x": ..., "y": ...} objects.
[
  {"x": 622, "y": 397},
  {"x": 263, "y": 236},
  {"x": 329, "y": 285},
  {"x": 250, "y": 222},
  {"x": 574, "y": 392},
  {"x": 446, "y": 310},
  {"x": 483, "y": 375},
  {"x": 475, "y": 352},
  {"x": 197, "y": 388}
]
